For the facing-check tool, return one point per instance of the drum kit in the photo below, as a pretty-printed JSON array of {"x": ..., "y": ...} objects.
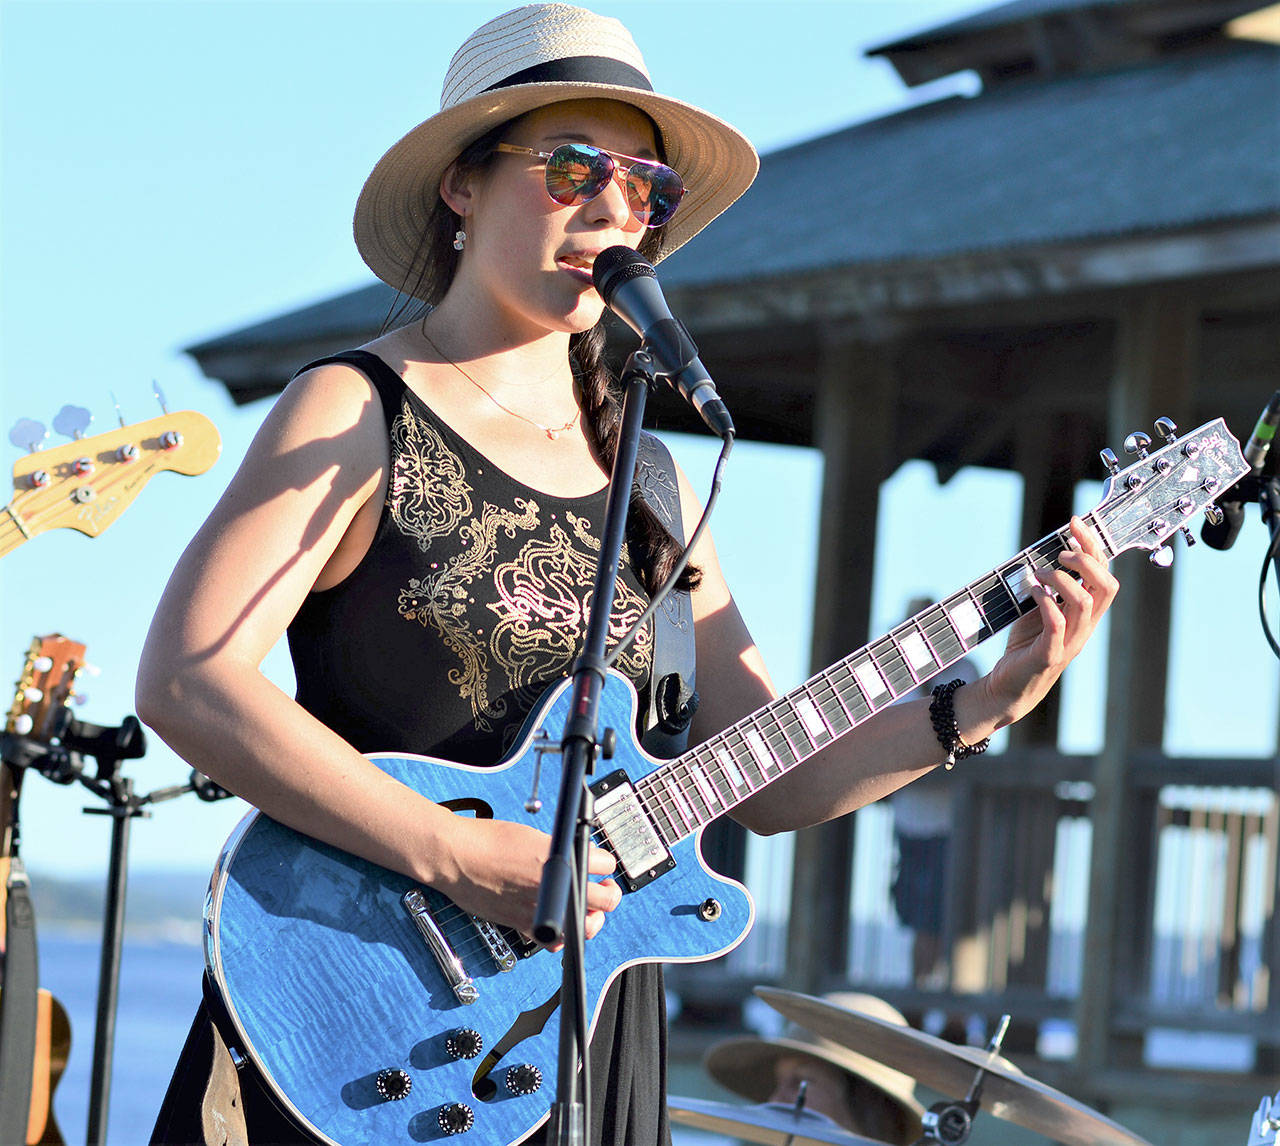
[{"x": 970, "y": 1079}]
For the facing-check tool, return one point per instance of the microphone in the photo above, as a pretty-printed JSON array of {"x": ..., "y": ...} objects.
[
  {"x": 1223, "y": 535},
  {"x": 629, "y": 287}
]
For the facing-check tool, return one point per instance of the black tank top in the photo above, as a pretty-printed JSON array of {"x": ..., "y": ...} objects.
[{"x": 471, "y": 600}]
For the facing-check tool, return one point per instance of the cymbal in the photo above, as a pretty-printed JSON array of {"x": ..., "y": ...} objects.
[
  {"x": 950, "y": 1069},
  {"x": 769, "y": 1123}
]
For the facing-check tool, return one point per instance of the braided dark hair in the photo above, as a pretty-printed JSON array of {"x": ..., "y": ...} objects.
[{"x": 654, "y": 551}]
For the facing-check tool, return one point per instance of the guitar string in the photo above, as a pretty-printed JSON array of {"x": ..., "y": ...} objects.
[
  {"x": 890, "y": 664},
  {"x": 59, "y": 500}
]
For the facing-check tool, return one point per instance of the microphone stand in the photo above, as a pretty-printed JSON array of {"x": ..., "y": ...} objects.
[{"x": 560, "y": 916}]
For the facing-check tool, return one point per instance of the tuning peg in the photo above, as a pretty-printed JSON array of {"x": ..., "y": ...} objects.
[
  {"x": 1162, "y": 557},
  {"x": 1213, "y": 515},
  {"x": 72, "y": 421},
  {"x": 23, "y": 724},
  {"x": 1167, "y": 429},
  {"x": 1110, "y": 460},
  {"x": 42, "y": 664},
  {"x": 1187, "y": 536},
  {"x": 1137, "y": 443},
  {"x": 32, "y": 695},
  {"x": 28, "y": 434}
]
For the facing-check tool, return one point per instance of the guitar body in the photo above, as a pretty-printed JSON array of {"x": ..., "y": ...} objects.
[
  {"x": 53, "y": 1047},
  {"x": 329, "y": 982}
]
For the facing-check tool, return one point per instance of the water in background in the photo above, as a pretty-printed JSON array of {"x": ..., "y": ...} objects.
[{"x": 159, "y": 992}]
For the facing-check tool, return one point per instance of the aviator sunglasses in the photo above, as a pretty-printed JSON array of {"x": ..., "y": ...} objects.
[{"x": 577, "y": 172}]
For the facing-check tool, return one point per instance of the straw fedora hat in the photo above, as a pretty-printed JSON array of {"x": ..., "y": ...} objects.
[
  {"x": 525, "y": 59},
  {"x": 746, "y": 1065}
]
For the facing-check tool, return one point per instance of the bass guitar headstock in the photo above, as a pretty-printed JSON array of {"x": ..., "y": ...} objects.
[{"x": 88, "y": 482}]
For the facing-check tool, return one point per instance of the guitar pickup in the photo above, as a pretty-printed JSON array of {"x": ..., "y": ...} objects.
[{"x": 628, "y": 831}]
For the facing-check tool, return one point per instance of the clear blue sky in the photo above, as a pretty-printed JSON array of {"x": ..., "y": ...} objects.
[{"x": 175, "y": 169}]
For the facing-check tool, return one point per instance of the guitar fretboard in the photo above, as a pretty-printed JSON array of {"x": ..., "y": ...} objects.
[{"x": 690, "y": 791}]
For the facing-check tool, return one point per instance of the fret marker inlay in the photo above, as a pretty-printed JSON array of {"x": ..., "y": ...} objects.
[
  {"x": 812, "y": 718},
  {"x": 684, "y": 804},
  {"x": 870, "y": 679},
  {"x": 735, "y": 775},
  {"x": 760, "y": 750},
  {"x": 704, "y": 786},
  {"x": 967, "y": 619},
  {"x": 917, "y": 652}
]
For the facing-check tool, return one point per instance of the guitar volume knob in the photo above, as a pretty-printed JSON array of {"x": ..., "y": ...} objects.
[
  {"x": 455, "y": 1118},
  {"x": 464, "y": 1043},
  {"x": 393, "y": 1084},
  {"x": 524, "y": 1078}
]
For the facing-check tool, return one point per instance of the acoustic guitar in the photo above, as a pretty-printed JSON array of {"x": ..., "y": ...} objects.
[
  {"x": 45, "y": 687},
  {"x": 379, "y": 1011}
]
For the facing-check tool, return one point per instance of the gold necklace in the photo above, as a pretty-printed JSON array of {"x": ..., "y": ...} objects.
[{"x": 552, "y": 432}]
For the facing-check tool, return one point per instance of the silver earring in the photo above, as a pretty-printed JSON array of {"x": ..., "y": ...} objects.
[{"x": 459, "y": 240}]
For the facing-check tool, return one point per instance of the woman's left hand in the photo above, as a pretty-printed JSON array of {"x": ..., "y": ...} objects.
[{"x": 1046, "y": 640}]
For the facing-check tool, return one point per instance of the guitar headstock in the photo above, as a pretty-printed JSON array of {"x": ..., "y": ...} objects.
[
  {"x": 1266, "y": 1123},
  {"x": 45, "y": 687},
  {"x": 87, "y": 483},
  {"x": 1155, "y": 497}
]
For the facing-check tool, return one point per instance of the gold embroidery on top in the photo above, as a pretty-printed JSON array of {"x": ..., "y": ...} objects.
[
  {"x": 428, "y": 495},
  {"x": 440, "y": 601},
  {"x": 543, "y": 605}
]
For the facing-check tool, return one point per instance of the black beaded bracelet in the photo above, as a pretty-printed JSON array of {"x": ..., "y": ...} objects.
[{"x": 942, "y": 713}]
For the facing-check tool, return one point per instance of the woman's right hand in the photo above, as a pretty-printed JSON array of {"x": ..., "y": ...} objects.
[{"x": 496, "y": 871}]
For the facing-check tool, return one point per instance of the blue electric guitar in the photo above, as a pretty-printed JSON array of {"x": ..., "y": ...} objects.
[{"x": 379, "y": 1012}]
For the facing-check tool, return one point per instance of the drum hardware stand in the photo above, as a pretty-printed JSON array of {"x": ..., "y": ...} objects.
[
  {"x": 61, "y": 761},
  {"x": 950, "y": 1122}
]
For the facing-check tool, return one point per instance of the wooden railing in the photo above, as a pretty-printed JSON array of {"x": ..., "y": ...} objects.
[{"x": 1198, "y": 947}]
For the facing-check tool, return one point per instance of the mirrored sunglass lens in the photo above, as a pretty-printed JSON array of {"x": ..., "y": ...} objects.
[
  {"x": 654, "y": 192},
  {"x": 577, "y": 173}
]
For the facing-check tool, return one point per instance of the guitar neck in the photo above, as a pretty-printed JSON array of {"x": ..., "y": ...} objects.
[{"x": 693, "y": 789}]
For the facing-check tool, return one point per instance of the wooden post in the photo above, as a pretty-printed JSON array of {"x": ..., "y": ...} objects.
[
  {"x": 853, "y": 426},
  {"x": 1155, "y": 369}
]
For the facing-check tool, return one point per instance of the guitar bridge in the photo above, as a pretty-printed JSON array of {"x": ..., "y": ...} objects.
[
  {"x": 463, "y": 986},
  {"x": 628, "y": 831},
  {"x": 499, "y": 949}
]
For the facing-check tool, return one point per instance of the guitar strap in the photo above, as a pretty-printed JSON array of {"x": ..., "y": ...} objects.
[
  {"x": 672, "y": 699},
  {"x": 17, "y": 1007}
]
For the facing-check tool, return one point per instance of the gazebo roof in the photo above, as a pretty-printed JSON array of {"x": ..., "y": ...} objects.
[{"x": 1181, "y": 142}]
